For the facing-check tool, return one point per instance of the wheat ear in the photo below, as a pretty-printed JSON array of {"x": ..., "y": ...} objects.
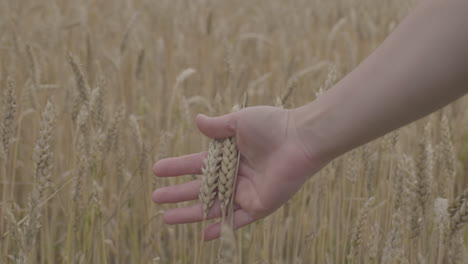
[
  {"x": 460, "y": 218},
  {"x": 97, "y": 105},
  {"x": 81, "y": 86},
  {"x": 448, "y": 158},
  {"x": 42, "y": 164},
  {"x": 455, "y": 206},
  {"x": 227, "y": 173},
  {"x": 9, "y": 114},
  {"x": 210, "y": 176},
  {"x": 360, "y": 230},
  {"x": 455, "y": 243},
  {"x": 112, "y": 134},
  {"x": 424, "y": 170}
]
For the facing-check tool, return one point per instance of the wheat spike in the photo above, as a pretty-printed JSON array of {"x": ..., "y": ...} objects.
[
  {"x": 97, "y": 106},
  {"x": 370, "y": 169},
  {"x": 112, "y": 138},
  {"x": 442, "y": 221},
  {"x": 15, "y": 231},
  {"x": 372, "y": 244},
  {"x": 9, "y": 115},
  {"x": 227, "y": 172},
  {"x": 398, "y": 180},
  {"x": 455, "y": 249},
  {"x": 82, "y": 87},
  {"x": 42, "y": 152},
  {"x": 448, "y": 160},
  {"x": 140, "y": 64},
  {"x": 43, "y": 164},
  {"x": 140, "y": 143},
  {"x": 459, "y": 219},
  {"x": 455, "y": 206},
  {"x": 210, "y": 176},
  {"x": 96, "y": 197},
  {"x": 455, "y": 245},
  {"x": 83, "y": 128},
  {"x": 412, "y": 207},
  {"x": 78, "y": 183},
  {"x": 360, "y": 229},
  {"x": 97, "y": 148},
  {"x": 424, "y": 170},
  {"x": 393, "y": 246}
]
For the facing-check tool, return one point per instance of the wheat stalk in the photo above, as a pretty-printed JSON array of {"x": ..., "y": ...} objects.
[
  {"x": 140, "y": 64},
  {"x": 35, "y": 73}
]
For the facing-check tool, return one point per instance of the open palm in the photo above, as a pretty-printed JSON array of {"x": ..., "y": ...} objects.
[{"x": 273, "y": 166}]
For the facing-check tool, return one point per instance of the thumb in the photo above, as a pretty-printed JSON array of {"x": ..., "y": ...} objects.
[{"x": 217, "y": 127}]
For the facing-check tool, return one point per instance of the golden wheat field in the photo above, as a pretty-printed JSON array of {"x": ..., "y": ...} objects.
[{"x": 93, "y": 92}]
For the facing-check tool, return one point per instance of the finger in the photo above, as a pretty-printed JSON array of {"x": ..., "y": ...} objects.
[
  {"x": 188, "y": 164},
  {"x": 177, "y": 193},
  {"x": 192, "y": 214},
  {"x": 217, "y": 127},
  {"x": 240, "y": 219}
]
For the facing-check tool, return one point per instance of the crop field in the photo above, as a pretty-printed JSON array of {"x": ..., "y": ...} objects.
[{"x": 94, "y": 92}]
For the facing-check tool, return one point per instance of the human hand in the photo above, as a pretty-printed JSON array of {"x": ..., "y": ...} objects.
[{"x": 273, "y": 166}]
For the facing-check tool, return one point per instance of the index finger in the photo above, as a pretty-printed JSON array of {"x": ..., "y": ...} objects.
[{"x": 187, "y": 164}]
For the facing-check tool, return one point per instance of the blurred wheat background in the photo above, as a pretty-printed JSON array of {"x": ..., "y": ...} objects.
[{"x": 94, "y": 91}]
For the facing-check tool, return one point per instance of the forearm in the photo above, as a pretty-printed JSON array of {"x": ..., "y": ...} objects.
[{"x": 420, "y": 67}]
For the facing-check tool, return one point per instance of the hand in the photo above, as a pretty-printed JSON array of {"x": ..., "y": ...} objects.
[{"x": 273, "y": 166}]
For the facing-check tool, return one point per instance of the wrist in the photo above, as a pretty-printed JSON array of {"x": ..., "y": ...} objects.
[{"x": 309, "y": 122}]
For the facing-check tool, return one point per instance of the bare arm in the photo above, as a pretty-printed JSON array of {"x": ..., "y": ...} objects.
[{"x": 421, "y": 66}]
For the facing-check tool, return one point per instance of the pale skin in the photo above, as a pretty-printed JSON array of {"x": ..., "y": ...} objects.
[{"x": 421, "y": 67}]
